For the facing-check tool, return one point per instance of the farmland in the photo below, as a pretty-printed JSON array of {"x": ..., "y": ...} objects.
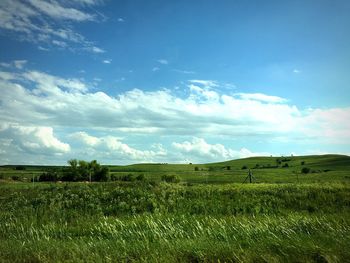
[{"x": 289, "y": 214}]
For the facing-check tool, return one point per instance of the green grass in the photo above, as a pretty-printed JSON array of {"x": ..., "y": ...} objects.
[{"x": 210, "y": 216}]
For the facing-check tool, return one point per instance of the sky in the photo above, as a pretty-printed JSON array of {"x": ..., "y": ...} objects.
[{"x": 166, "y": 81}]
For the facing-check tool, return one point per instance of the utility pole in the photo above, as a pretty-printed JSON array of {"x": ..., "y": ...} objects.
[{"x": 250, "y": 176}]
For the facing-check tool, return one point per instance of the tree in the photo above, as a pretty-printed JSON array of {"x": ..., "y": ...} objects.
[
  {"x": 101, "y": 175},
  {"x": 71, "y": 173},
  {"x": 82, "y": 171},
  {"x": 305, "y": 170}
]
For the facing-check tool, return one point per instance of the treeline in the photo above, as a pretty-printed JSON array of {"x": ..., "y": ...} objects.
[{"x": 78, "y": 170}]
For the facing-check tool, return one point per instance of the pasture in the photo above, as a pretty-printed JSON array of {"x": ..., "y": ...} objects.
[{"x": 207, "y": 215}]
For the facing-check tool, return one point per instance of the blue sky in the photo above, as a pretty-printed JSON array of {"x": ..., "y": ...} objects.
[{"x": 172, "y": 81}]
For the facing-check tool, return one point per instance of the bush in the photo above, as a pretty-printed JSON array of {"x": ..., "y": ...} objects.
[
  {"x": 141, "y": 177},
  {"x": 101, "y": 175},
  {"x": 302, "y": 162},
  {"x": 196, "y": 168},
  {"x": 49, "y": 176},
  {"x": 15, "y": 178},
  {"x": 285, "y": 165},
  {"x": 170, "y": 178},
  {"x": 127, "y": 178},
  {"x": 82, "y": 170},
  {"x": 20, "y": 168},
  {"x": 244, "y": 167},
  {"x": 305, "y": 170}
]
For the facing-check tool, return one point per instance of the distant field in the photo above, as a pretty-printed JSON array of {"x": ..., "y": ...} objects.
[
  {"x": 209, "y": 216},
  {"x": 323, "y": 168}
]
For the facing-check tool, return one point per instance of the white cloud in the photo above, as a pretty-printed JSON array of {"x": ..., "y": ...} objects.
[
  {"x": 121, "y": 20},
  {"x": 43, "y": 48},
  {"x": 163, "y": 61},
  {"x": 296, "y": 71},
  {"x": 95, "y": 49},
  {"x": 38, "y": 21},
  {"x": 184, "y": 71},
  {"x": 20, "y": 63},
  {"x": 55, "y": 10},
  {"x": 37, "y": 99},
  {"x": 85, "y": 138},
  {"x": 206, "y": 83},
  {"x": 200, "y": 93},
  {"x": 88, "y": 2},
  {"x": 32, "y": 139},
  {"x": 107, "y": 61},
  {"x": 155, "y": 69},
  {"x": 261, "y": 97},
  {"x": 59, "y": 43},
  {"x": 112, "y": 148},
  {"x": 7, "y": 75},
  {"x": 48, "y": 84},
  {"x": 199, "y": 150}
]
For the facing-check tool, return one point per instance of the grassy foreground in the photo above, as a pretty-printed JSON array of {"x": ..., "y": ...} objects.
[{"x": 153, "y": 221}]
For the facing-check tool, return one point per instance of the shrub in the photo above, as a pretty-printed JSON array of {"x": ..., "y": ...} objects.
[
  {"x": 228, "y": 167},
  {"x": 244, "y": 167},
  {"x": 170, "y": 178},
  {"x": 49, "y": 176},
  {"x": 15, "y": 178},
  {"x": 196, "y": 168},
  {"x": 141, "y": 177},
  {"x": 127, "y": 178},
  {"x": 302, "y": 162},
  {"x": 20, "y": 168},
  {"x": 101, "y": 175},
  {"x": 285, "y": 165},
  {"x": 305, "y": 170}
]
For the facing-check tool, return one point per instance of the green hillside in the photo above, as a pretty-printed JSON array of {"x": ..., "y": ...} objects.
[{"x": 322, "y": 168}]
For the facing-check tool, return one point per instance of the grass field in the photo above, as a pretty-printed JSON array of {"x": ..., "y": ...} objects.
[{"x": 209, "y": 216}]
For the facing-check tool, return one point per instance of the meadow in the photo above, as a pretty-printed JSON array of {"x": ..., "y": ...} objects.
[{"x": 181, "y": 213}]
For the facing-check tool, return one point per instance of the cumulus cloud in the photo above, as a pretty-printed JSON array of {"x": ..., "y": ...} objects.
[
  {"x": 40, "y": 21},
  {"x": 68, "y": 102},
  {"x": 38, "y": 99},
  {"x": 32, "y": 139},
  {"x": 113, "y": 148},
  {"x": 201, "y": 151}
]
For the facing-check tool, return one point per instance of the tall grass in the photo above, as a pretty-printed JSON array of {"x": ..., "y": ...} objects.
[{"x": 161, "y": 222}]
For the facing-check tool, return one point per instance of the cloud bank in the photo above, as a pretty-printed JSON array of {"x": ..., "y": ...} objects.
[{"x": 34, "y": 105}]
